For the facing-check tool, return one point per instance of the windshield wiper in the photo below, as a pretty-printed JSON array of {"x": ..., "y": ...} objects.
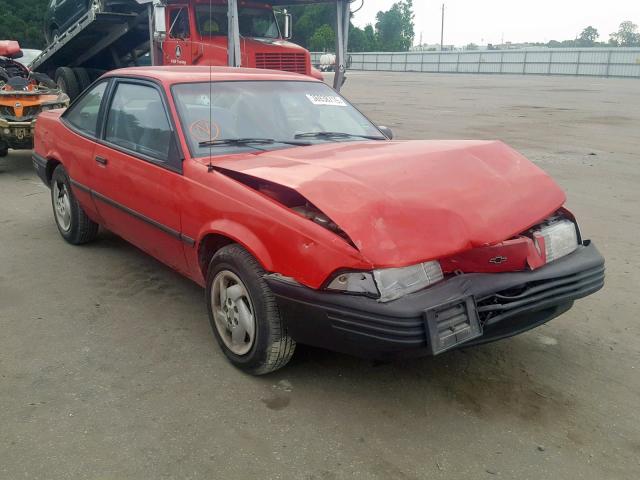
[
  {"x": 248, "y": 142},
  {"x": 329, "y": 135}
]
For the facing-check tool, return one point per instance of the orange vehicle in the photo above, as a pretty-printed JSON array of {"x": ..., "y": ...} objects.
[{"x": 23, "y": 95}]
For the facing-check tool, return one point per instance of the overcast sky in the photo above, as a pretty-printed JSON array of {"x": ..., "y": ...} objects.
[{"x": 486, "y": 21}]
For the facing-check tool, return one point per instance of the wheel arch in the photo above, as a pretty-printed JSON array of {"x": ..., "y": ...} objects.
[
  {"x": 52, "y": 163},
  {"x": 224, "y": 232}
]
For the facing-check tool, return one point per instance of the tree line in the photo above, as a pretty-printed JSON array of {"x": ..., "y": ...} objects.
[{"x": 23, "y": 20}]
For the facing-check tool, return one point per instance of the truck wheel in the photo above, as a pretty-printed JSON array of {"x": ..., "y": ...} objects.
[
  {"x": 52, "y": 35},
  {"x": 97, "y": 6},
  {"x": 73, "y": 223},
  {"x": 244, "y": 315},
  {"x": 67, "y": 82},
  {"x": 83, "y": 78},
  {"x": 94, "y": 73}
]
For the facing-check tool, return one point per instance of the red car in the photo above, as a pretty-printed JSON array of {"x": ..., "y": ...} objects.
[{"x": 305, "y": 222}]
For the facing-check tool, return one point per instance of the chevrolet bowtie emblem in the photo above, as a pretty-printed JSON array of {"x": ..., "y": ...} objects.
[{"x": 498, "y": 260}]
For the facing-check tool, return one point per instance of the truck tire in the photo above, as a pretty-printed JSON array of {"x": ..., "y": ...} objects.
[
  {"x": 83, "y": 78},
  {"x": 236, "y": 291},
  {"x": 94, "y": 73},
  {"x": 67, "y": 82},
  {"x": 73, "y": 223}
]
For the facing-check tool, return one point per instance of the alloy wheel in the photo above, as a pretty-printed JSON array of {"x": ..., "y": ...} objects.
[
  {"x": 62, "y": 205},
  {"x": 233, "y": 312}
]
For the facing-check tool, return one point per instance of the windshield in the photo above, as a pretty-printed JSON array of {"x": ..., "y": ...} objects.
[
  {"x": 253, "y": 22},
  {"x": 284, "y": 111}
]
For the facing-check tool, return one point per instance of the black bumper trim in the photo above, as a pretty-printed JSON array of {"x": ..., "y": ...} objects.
[
  {"x": 40, "y": 166},
  {"x": 505, "y": 304}
]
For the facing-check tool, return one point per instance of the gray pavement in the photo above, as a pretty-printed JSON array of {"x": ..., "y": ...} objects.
[{"x": 108, "y": 369}]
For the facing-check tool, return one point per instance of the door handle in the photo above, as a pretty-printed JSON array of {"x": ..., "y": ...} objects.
[{"x": 101, "y": 160}]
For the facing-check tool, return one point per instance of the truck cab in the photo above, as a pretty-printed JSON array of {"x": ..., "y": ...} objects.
[
  {"x": 197, "y": 34},
  {"x": 172, "y": 32}
]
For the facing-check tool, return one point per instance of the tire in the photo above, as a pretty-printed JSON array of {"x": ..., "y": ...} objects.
[
  {"x": 67, "y": 82},
  {"x": 73, "y": 223},
  {"x": 94, "y": 73},
  {"x": 83, "y": 78},
  {"x": 271, "y": 347},
  {"x": 52, "y": 35}
]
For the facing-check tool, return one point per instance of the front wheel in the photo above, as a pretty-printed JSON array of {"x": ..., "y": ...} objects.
[
  {"x": 244, "y": 315},
  {"x": 73, "y": 223}
]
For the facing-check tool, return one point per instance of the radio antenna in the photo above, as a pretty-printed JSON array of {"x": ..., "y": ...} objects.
[{"x": 210, "y": 166}]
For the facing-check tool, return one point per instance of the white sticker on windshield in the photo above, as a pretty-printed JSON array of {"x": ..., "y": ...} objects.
[{"x": 327, "y": 100}]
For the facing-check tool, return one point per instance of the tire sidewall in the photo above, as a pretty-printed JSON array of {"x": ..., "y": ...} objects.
[
  {"x": 252, "y": 280},
  {"x": 60, "y": 174}
]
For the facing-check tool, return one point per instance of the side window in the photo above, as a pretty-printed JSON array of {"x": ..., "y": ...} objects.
[
  {"x": 84, "y": 114},
  {"x": 138, "y": 121},
  {"x": 179, "y": 23}
]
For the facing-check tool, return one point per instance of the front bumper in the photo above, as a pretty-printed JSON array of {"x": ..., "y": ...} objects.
[{"x": 464, "y": 310}]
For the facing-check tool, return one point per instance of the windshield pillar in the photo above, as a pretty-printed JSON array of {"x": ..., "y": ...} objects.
[
  {"x": 343, "y": 16},
  {"x": 234, "y": 56}
]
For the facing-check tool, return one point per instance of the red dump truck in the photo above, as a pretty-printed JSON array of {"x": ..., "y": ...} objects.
[{"x": 172, "y": 32}]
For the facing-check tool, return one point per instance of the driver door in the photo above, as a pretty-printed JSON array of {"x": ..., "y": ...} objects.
[{"x": 177, "y": 47}]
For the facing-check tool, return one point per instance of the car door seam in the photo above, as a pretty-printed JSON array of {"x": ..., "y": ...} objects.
[{"x": 168, "y": 230}]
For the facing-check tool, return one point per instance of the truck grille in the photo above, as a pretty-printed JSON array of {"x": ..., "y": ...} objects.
[{"x": 288, "y": 62}]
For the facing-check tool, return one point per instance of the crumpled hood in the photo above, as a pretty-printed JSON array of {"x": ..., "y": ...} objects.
[{"x": 402, "y": 202}]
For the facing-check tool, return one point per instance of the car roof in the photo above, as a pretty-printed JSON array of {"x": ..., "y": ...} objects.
[{"x": 170, "y": 75}]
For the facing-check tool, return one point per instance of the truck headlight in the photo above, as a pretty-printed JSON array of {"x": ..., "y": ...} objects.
[
  {"x": 389, "y": 283},
  {"x": 560, "y": 239}
]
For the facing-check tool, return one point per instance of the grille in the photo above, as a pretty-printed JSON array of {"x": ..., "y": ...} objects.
[
  {"x": 541, "y": 294},
  {"x": 288, "y": 62},
  {"x": 6, "y": 111},
  {"x": 31, "y": 111}
]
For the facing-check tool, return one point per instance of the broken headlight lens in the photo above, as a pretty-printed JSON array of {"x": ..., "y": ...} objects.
[
  {"x": 397, "y": 282},
  {"x": 389, "y": 283},
  {"x": 560, "y": 239}
]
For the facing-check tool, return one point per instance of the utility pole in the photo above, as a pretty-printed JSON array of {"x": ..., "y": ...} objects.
[{"x": 442, "y": 30}]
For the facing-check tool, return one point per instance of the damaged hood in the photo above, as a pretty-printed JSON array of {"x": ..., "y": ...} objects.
[{"x": 403, "y": 202}]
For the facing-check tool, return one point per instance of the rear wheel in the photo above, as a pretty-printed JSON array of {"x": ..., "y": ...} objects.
[
  {"x": 244, "y": 315},
  {"x": 67, "y": 82},
  {"x": 53, "y": 34},
  {"x": 73, "y": 223},
  {"x": 83, "y": 78},
  {"x": 97, "y": 5}
]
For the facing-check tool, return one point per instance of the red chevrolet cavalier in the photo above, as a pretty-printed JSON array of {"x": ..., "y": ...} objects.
[{"x": 305, "y": 222}]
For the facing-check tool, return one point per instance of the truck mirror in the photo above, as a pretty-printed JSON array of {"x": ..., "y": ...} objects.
[
  {"x": 288, "y": 26},
  {"x": 159, "y": 21}
]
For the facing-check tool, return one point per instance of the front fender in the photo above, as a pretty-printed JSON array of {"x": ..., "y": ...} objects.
[{"x": 239, "y": 234}]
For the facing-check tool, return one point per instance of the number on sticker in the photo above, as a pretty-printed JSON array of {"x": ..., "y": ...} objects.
[{"x": 327, "y": 100}]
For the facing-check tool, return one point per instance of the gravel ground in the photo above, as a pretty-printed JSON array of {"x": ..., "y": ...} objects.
[{"x": 108, "y": 369}]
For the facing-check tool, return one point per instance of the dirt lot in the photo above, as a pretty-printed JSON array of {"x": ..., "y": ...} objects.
[{"x": 108, "y": 369}]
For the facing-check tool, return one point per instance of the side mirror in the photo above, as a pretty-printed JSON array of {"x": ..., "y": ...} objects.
[
  {"x": 159, "y": 22},
  {"x": 386, "y": 131},
  {"x": 288, "y": 26}
]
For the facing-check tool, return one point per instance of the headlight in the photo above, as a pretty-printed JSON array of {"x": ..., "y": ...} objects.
[
  {"x": 389, "y": 283},
  {"x": 560, "y": 239}
]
